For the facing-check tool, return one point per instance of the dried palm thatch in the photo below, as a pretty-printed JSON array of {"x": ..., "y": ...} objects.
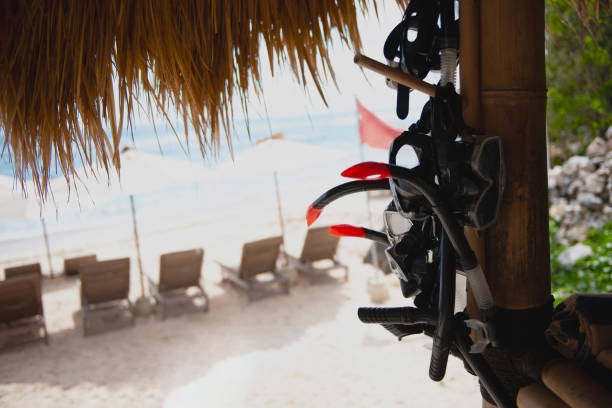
[{"x": 74, "y": 73}]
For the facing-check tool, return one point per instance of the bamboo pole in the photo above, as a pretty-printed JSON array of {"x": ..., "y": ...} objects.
[
  {"x": 137, "y": 242},
  {"x": 538, "y": 396},
  {"x": 605, "y": 358},
  {"x": 513, "y": 103},
  {"x": 281, "y": 220},
  {"x": 503, "y": 90},
  {"x": 46, "y": 235},
  {"x": 469, "y": 74},
  {"x": 574, "y": 386}
]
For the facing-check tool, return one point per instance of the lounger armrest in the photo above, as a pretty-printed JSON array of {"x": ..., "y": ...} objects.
[
  {"x": 232, "y": 274},
  {"x": 226, "y": 268},
  {"x": 294, "y": 262}
]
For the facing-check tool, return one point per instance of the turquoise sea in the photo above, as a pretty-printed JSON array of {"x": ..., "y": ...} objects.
[{"x": 333, "y": 131}]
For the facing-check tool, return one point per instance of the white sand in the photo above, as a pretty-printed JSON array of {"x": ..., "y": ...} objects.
[{"x": 307, "y": 349}]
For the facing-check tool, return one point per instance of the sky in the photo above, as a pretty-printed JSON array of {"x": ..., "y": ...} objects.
[
  {"x": 285, "y": 98},
  {"x": 353, "y": 83}
]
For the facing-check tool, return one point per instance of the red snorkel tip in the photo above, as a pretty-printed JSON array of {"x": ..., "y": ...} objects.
[
  {"x": 368, "y": 171},
  {"x": 345, "y": 230},
  {"x": 312, "y": 214}
]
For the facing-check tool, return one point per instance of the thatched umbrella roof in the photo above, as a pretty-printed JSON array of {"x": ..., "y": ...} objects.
[{"x": 75, "y": 73}]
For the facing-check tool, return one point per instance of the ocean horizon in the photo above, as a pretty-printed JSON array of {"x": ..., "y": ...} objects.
[{"x": 332, "y": 131}]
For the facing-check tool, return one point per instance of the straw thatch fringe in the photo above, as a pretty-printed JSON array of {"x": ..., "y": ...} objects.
[{"x": 74, "y": 73}]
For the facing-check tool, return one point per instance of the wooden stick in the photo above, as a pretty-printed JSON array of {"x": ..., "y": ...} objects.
[
  {"x": 395, "y": 74},
  {"x": 574, "y": 386},
  {"x": 538, "y": 396}
]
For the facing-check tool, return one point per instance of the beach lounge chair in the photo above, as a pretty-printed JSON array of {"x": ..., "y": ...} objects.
[
  {"x": 22, "y": 270},
  {"x": 258, "y": 258},
  {"x": 105, "y": 289},
  {"x": 318, "y": 246},
  {"x": 178, "y": 272},
  {"x": 21, "y": 310},
  {"x": 72, "y": 265}
]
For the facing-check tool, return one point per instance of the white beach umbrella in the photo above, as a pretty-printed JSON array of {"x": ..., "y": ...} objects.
[
  {"x": 18, "y": 203},
  {"x": 273, "y": 155},
  {"x": 140, "y": 173}
]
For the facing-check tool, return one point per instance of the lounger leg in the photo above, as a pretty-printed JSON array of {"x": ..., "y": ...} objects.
[
  {"x": 84, "y": 320},
  {"x": 206, "y": 298},
  {"x": 132, "y": 316}
]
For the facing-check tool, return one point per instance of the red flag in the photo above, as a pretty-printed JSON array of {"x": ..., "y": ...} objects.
[{"x": 373, "y": 131}]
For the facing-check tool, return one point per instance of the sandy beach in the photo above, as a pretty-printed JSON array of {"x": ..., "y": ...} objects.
[{"x": 305, "y": 349}]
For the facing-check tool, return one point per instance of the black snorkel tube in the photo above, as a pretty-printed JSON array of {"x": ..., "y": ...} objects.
[
  {"x": 467, "y": 259},
  {"x": 340, "y": 191}
]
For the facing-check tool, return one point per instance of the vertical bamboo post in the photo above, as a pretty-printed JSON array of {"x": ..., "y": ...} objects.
[
  {"x": 469, "y": 74},
  {"x": 503, "y": 89},
  {"x": 513, "y": 104}
]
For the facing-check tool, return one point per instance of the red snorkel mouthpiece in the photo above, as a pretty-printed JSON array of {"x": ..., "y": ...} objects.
[
  {"x": 368, "y": 171},
  {"x": 312, "y": 214},
  {"x": 346, "y": 230}
]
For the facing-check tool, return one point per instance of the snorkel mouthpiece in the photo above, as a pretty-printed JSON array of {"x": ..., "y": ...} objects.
[{"x": 368, "y": 171}]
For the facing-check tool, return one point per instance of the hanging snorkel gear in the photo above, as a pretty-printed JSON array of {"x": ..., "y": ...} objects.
[{"x": 458, "y": 181}]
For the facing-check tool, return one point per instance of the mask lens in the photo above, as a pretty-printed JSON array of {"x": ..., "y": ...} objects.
[{"x": 396, "y": 224}]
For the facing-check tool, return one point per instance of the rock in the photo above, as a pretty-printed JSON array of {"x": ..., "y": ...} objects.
[
  {"x": 596, "y": 222},
  {"x": 558, "y": 209},
  {"x": 607, "y": 211},
  {"x": 572, "y": 254},
  {"x": 555, "y": 177},
  {"x": 590, "y": 201},
  {"x": 597, "y": 161},
  {"x": 609, "y": 134},
  {"x": 574, "y": 187},
  {"x": 594, "y": 183},
  {"x": 575, "y": 163},
  {"x": 604, "y": 171},
  {"x": 577, "y": 233},
  {"x": 555, "y": 153},
  {"x": 610, "y": 141},
  {"x": 574, "y": 148},
  {"x": 597, "y": 148}
]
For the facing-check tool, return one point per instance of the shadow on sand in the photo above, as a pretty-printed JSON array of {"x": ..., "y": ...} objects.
[{"x": 177, "y": 349}]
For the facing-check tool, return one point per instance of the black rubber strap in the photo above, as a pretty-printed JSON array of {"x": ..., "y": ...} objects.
[{"x": 395, "y": 315}]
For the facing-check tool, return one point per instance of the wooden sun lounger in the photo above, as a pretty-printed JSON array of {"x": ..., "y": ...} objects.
[
  {"x": 21, "y": 310},
  {"x": 258, "y": 257},
  {"x": 105, "y": 289},
  {"x": 21, "y": 270},
  {"x": 318, "y": 246},
  {"x": 72, "y": 265},
  {"x": 179, "y": 271}
]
